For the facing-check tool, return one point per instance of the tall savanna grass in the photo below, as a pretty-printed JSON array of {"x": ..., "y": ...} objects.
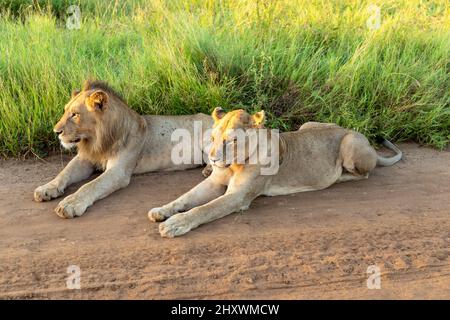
[{"x": 298, "y": 60}]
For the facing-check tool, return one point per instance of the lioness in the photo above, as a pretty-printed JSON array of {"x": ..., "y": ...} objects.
[
  {"x": 111, "y": 137},
  {"x": 312, "y": 158}
]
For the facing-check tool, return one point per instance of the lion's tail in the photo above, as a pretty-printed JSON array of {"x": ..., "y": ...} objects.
[{"x": 384, "y": 161}]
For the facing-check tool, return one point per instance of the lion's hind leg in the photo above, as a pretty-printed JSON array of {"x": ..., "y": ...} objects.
[{"x": 357, "y": 156}]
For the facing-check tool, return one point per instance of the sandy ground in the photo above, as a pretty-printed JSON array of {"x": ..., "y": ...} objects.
[{"x": 304, "y": 246}]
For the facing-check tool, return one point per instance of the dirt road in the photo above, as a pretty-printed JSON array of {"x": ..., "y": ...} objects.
[{"x": 304, "y": 246}]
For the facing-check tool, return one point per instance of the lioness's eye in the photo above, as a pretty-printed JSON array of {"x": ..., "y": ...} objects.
[{"x": 73, "y": 115}]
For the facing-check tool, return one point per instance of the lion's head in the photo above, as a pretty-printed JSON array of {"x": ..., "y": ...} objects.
[
  {"x": 230, "y": 136},
  {"x": 94, "y": 119}
]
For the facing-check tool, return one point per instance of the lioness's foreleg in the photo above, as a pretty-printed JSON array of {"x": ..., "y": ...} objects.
[
  {"x": 116, "y": 176},
  {"x": 213, "y": 210},
  {"x": 76, "y": 170},
  {"x": 202, "y": 193},
  {"x": 239, "y": 195}
]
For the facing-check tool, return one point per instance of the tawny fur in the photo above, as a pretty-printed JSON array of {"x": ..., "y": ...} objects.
[
  {"x": 111, "y": 137},
  {"x": 312, "y": 158}
]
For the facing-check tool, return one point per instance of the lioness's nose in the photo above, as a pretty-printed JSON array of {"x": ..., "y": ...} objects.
[{"x": 214, "y": 160}]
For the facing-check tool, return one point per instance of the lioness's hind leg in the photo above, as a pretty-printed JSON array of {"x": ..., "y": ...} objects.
[
  {"x": 357, "y": 155},
  {"x": 313, "y": 124},
  {"x": 351, "y": 177}
]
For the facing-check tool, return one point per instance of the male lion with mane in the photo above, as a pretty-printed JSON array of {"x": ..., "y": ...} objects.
[
  {"x": 312, "y": 158},
  {"x": 111, "y": 137}
]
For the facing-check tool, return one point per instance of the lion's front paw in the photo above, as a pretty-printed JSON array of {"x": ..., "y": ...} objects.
[
  {"x": 207, "y": 170},
  {"x": 70, "y": 207},
  {"x": 158, "y": 214},
  {"x": 47, "y": 192},
  {"x": 174, "y": 226}
]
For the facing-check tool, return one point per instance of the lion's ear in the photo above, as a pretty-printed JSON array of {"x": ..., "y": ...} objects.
[
  {"x": 218, "y": 114},
  {"x": 259, "y": 118},
  {"x": 75, "y": 92},
  {"x": 97, "y": 101}
]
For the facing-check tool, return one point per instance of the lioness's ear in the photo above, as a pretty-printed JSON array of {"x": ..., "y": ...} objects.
[
  {"x": 75, "y": 92},
  {"x": 259, "y": 118},
  {"x": 218, "y": 114},
  {"x": 97, "y": 101}
]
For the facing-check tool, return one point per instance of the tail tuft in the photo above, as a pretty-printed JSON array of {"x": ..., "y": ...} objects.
[{"x": 384, "y": 161}]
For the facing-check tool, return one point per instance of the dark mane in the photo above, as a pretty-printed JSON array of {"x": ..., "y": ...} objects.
[{"x": 97, "y": 84}]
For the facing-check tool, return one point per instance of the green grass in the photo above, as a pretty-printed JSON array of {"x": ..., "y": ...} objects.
[{"x": 298, "y": 60}]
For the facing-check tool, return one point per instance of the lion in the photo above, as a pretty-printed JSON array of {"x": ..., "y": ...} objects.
[
  {"x": 311, "y": 158},
  {"x": 113, "y": 138}
]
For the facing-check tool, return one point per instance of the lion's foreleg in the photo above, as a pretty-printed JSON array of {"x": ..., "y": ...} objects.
[
  {"x": 207, "y": 170},
  {"x": 116, "y": 176},
  {"x": 202, "y": 193},
  {"x": 105, "y": 184},
  {"x": 75, "y": 171}
]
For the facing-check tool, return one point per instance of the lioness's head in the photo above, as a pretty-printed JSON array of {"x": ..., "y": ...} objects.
[
  {"x": 85, "y": 114},
  {"x": 230, "y": 136}
]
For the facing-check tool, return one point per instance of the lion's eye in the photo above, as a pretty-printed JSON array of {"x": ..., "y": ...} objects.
[{"x": 73, "y": 115}]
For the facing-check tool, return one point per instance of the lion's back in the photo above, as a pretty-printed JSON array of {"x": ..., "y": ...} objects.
[{"x": 159, "y": 142}]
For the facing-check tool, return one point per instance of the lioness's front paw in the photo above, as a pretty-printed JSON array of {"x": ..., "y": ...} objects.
[
  {"x": 174, "y": 226},
  {"x": 158, "y": 214},
  {"x": 70, "y": 207},
  {"x": 47, "y": 192}
]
